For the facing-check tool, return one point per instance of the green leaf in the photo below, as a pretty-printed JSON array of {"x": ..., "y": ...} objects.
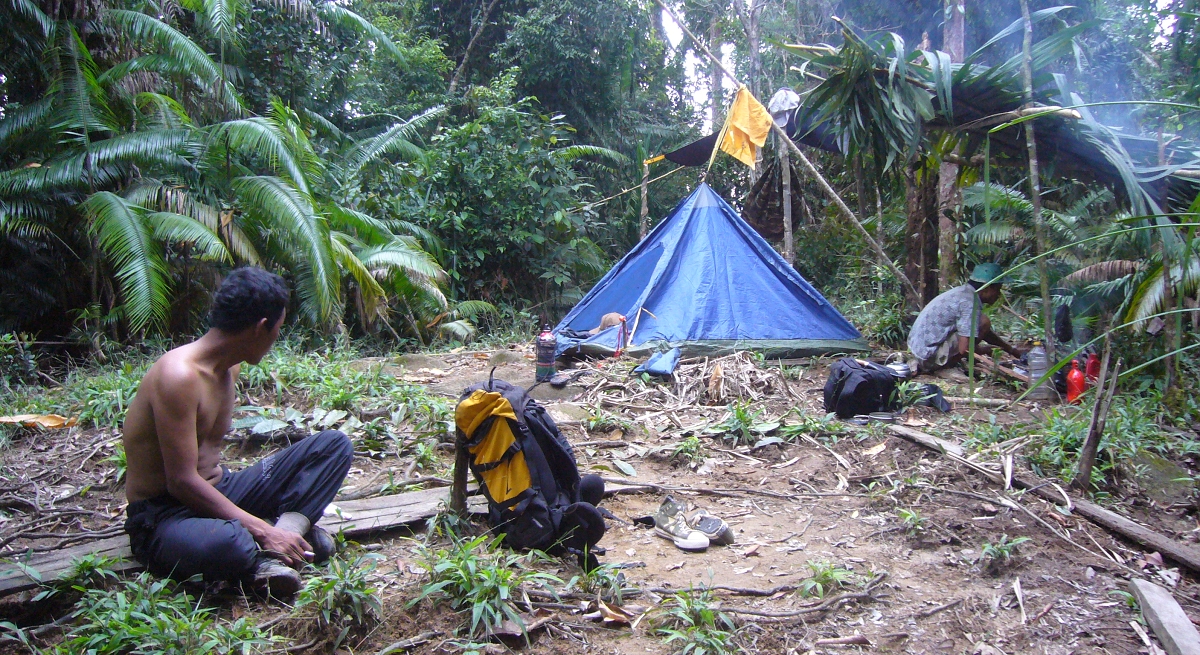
[
  {"x": 625, "y": 468},
  {"x": 268, "y": 425},
  {"x": 126, "y": 241}
]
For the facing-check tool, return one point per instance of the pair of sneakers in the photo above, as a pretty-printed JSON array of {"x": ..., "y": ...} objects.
[
  {"x": 694, "y": 534},
  {"x": 274, "y": 579}
]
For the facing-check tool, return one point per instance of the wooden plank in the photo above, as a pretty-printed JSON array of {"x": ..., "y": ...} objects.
[
  {"x": 1170, "y": 624},
  {"x": 359, "y": 517}
]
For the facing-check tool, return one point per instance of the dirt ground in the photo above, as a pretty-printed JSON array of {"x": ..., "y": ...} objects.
[{"x": 790, "y": 504}]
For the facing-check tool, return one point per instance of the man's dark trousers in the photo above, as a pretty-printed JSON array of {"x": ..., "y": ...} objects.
[{"x": 170, "y": 539}]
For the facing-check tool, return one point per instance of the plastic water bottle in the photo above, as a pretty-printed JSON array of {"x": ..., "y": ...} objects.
[
  {"x": 1075, "y": 383},
  {"x": 1038, "y": 365},
  {"x": 546, "y": 345}
]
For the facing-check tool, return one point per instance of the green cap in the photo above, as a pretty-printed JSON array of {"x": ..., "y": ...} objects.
[{"x": 986, "y": 273}]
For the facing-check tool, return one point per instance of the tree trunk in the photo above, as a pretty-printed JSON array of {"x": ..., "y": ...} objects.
[
  {"x": 785, "y": 176},
  {"x": 948, "y": 193},
  {"x": 920, "y": 237},
  {"x": 714, "y": 81},
  {"x": 487, "y": 12},
  {"x": 1035, "y": 186}
]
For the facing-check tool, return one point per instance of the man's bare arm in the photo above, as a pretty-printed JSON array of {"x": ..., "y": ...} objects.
[{"x": 175, "y": 422}]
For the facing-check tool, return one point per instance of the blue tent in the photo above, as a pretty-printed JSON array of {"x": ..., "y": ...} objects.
[{"x": 710, "y": 284}]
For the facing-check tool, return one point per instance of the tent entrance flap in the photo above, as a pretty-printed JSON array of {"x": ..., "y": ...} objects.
[
  {"x": 618, "y": 294},
  {"x": 712, "y": 283}
]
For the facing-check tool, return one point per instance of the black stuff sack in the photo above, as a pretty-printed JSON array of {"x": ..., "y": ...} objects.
[{"x": 856, "y": 386}]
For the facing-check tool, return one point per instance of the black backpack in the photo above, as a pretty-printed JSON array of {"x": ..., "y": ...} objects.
[
  {"x": 526, "y": 469},
  {"x": 857, "y": 386}
]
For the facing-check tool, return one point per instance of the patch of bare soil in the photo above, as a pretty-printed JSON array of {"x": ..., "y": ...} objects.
[{"x": 910, "y": 527}]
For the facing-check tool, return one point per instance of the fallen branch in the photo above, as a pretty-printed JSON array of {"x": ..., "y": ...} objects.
[
  {"x": 940, "y": 608},
  {"x": 410, "y": 643},
  {"x": 1184, "y": 554},
  {"x": 979, "y": 402},
  {"x": 825, "y": 606},
  {"x": 836, "y": 641}
]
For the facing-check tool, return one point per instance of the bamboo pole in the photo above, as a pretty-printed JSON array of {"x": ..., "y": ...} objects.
[
  {"x": 785, "y": 176},
  {"x": 808, "y": 166},
  {"x": 1035, "y": 186},
  {"x": 644, "y": 219}
]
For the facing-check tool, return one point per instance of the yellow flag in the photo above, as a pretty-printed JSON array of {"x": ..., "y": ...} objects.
[{"x": 746, "y": 128}]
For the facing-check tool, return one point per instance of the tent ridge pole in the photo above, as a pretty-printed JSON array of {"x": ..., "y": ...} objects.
[{"x": 808, "y": 165}]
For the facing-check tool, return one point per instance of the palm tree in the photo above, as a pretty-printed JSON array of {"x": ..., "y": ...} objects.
[{"x": 107, "y": 161}]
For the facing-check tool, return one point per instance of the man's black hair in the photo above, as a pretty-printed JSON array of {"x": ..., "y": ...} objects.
[
  {"x": 977, "y": 284},
  {"x": 246, "y": 297}
]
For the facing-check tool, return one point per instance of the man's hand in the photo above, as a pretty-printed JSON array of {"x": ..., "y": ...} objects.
[{"x": 286, "y": 545}]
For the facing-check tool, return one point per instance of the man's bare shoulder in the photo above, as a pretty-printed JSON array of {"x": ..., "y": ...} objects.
[{"x": 176, "y": 371}]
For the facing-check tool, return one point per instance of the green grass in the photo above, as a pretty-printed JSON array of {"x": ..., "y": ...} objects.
[
  {"x": 826, "y": 577},
  {"x": 342, "y": 593},
  {"x": 480, "y": 580},
  {"x": 692, "y": 624},
  {"x": 150, "y": 617}
]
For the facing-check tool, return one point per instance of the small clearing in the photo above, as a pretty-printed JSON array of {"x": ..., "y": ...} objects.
[{"x": 914, "y": 543}]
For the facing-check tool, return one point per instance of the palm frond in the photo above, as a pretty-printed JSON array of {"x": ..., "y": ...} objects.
[
  {"x": 473, "y": 308},
  {"x": 373, "y": 296},
  {"x": 1101, "y": 272},
  {"x": 288, "y": 124},
  {"x": 84, "y": 107},
  {"x": 29, "y": 9},
  {"x": 177, "y": 228},
  {"x": 127, "y": 243},
  {"x": 399, "y": 257},
  {"x": 172, "y": 43},
  {"x": 262, "y": 138},
  {"x": 396, "y": 139},
  {"x": 997, "y": 232},
  {"x": 25, "y": 119},
  {"x": 571, "y": 153},
  {"x": 336, "y": 14},
  {"x": 222, "y": 17},
  {"x": 165, "y": 110},
  {"x": 367, "y": 228},
  {"x": 1151, "y": 295},
  {"x": 155, "y": 195},
  {"x": 462, "y": 329},
  {"x": 150, "y": 146},
  {"x": 281, "y": 207}
]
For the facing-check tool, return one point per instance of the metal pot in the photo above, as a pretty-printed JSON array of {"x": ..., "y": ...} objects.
[{"x": 900, "y": 370}]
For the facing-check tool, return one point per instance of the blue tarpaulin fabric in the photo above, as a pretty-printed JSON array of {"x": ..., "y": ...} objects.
[
  {"x": 708, "y": 282},
  {"x": 660, "y": 363}
]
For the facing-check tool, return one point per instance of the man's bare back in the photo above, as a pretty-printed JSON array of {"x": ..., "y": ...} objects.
[{"x": 176, "y": 374}]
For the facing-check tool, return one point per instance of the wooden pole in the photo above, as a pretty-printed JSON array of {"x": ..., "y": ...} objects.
[
  {"x": 458, "y": 487},
  {"x": 1083, "y": 480},
  {"x": 785, "y": 174},
  {"x": 826, "y": 188},
  {"x": 1035, "y": 186},
  {"x": 644, "y": 220}
]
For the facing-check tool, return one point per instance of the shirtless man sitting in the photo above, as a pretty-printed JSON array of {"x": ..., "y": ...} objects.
[{"x": 187, "y": 513}]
